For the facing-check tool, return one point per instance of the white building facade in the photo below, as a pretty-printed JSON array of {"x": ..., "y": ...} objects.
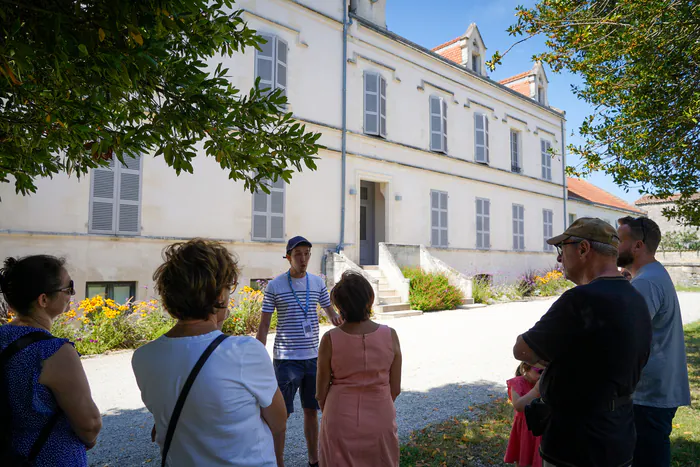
[{"x": 427, "y": 151}]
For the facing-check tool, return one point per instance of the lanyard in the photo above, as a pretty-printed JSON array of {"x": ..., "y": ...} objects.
[{"x": 306, "y": 310}]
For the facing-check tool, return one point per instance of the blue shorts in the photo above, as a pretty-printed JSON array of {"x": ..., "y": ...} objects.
[{"x": 293, "y": 375}]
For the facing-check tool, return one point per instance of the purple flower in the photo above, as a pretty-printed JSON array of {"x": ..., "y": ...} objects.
[{"x": 93, "y": 341}]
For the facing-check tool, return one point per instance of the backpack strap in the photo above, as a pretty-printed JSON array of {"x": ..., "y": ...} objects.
[
  {"x": 183, "y": 394},
  {"x": 10, "y": 351}
]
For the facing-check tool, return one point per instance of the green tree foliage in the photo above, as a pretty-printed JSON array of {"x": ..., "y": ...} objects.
[
  {"x": 640, "y": 64},
  {"x": 81, "y": 82},
  {"x": 682, "y": 240}
]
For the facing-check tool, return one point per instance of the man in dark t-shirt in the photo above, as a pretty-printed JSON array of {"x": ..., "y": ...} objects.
[{"x": 594, "y": 342}]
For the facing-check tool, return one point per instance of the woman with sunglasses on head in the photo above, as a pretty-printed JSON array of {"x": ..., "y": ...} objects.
[
  {"x": 231, "y": 412},
  {"x": 523, "y": 447},
  {"x": 45, "y": 392}
]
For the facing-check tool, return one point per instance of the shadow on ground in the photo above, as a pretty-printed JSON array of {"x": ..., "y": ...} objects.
[{"x": 126, "y": 435}]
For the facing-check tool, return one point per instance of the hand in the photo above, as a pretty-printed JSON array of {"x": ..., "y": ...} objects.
[
  {"x": 537, "y": 388},
  {"x": 153, "y": 434},
  {"x": 336, "y": 319}
]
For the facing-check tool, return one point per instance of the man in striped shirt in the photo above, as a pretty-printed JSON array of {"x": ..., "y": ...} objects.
[{"x": 296, "y": 295}]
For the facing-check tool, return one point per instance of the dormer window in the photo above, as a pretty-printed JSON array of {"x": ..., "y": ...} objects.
[
  {"x": 540, "y": 95},
  {"x": 476, "y": 63}
]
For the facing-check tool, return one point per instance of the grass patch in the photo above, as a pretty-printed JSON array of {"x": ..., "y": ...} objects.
[
  {"x": 480, "y": 436},
  {"x": 685, "y": 288}
]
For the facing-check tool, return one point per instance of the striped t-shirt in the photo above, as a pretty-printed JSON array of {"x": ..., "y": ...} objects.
[{"x": 290, "y": 341}]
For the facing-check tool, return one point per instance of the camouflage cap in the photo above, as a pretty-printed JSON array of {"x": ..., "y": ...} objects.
[{"x": 589, "y": 228}]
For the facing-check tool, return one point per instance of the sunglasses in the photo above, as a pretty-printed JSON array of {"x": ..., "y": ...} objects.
[
  {"x": 538, "y": 370},
  {"x": 70, "y": 289}
]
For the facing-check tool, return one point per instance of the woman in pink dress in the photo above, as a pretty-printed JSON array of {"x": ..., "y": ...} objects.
[
  {"x": 358, "y": 380},
  {"x": 523, "y": 447}
]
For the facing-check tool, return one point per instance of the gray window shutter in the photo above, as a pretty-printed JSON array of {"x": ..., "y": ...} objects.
[
  {"x": 268, "y": 212},
  {"x": 437, "y": 134},
  {"x": 281, "y": 65},
  {"x": 486, "y": 137},
  {"x": 444, "y": 124},
  {"x": 264, "y": 64},
  {"x": 480, "y": 138},
  {"x": 371, "y": 103},
  {"x": 514, "y": 150},
  {"x": 103, "y": 194},
  {"x": 129, "y": 204},
  {"x": 382, "y": 107},
  {"x": 546, "y": 159}
]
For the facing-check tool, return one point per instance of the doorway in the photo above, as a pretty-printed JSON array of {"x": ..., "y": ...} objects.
[{"x": 372, "y": 221}]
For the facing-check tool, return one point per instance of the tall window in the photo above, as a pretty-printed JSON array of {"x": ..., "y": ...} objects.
[
  {"x": 438, "y": 218},
  {"x": 271, "y": 64},
  {"x": 438, "y": 124},
  {"x": 115, "y": 198},
  {"x": 481, "y": 138},
  {"x": 476, "y": 63},
  {"x": 375, "y": 104},
  {"x": 483, "y": 223},
  {"x": 547, "y": 228},
  {"x": 268, "y": 213},
  {"x": 518, "y": 227},
  {"x": 515, "y": 151},
  {"x": 545, "y": 147}
]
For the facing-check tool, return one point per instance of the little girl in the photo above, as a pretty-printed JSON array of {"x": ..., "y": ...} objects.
[{"x": 523, "y": 447}]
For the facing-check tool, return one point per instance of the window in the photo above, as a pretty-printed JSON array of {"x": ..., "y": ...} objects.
[
  {"x": 476, "y": 63},
  {"x": 120, "y": 292},
  {"x": 572, "y": 218},
  {"x": 375, "y": 105},
  {"x": 115, "y": 198},
  {"x": 268, "y": 213},
  {"x": 438, "y": 218},
  {"x": 438, "y": 124},
  {"x": 540, "y": 95},
  {"x": 271, "y": 64},
  {"x": 483, "y": 223},
  {"x": 518, "y": 227},
  {"x": 545, "y": 147},
  {"x": 481, "y": 138},
  {"x": 548, "y": 228},
  {"x": 515, "y": 151}
]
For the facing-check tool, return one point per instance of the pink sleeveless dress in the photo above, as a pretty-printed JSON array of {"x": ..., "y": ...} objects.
[
  {"x": 358, "y": 424},
  {"x": 523, "y": 446}
]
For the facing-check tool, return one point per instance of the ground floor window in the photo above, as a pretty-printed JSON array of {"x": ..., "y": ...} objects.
[{"x": 120, "y": 292}]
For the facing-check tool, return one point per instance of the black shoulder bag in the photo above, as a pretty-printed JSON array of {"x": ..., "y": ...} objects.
[
  {"x": 13, "y": 459},
  {"x": 183, "y": 395}
]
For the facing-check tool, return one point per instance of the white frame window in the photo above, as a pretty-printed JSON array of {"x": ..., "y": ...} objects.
[
  {"x": 271, "y": 64},
  {"x": 572, "y": 218},
  {"x": 483, "y": 223},
  {"x": 547, "y": 228},
  {"x": 481, "y": 138},
  {"x": 515, "y": 145},
  {"x": 375, "y": 104},
  {"x": 115, "y": 198},
  {"x": 438, "y": 124},
  {"x": 545, "y": 146},
  {"x": 518, "y": 227},
  {"x": 438, "y": 219},
  {"x": 268, "y": 221},
  {"x": 476, "y": 63}
]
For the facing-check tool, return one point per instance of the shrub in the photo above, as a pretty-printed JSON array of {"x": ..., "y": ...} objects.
[
  {"x": 482, "y": 291},
  {"x": 431, "y": 291},
  {"x": 551, "y": 283},
  {"x": 244, "y": 318}
]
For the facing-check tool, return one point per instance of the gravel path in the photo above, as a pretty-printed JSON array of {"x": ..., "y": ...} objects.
[{"x": 452, "y": 360}]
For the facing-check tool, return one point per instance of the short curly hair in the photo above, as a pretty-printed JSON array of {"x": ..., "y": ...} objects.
[
  {"x": 353, "y": 296},
  {"x": 193, "y": 276}
]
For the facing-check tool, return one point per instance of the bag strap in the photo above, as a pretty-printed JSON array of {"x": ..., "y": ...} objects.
[
  {"x": 11, "y": 350},
  {"x": 183, "y": 394}
]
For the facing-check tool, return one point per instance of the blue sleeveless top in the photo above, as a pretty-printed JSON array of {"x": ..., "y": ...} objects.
[{"x": 32, "y": 403}]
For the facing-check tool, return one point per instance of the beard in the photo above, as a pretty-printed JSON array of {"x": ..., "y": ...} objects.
[{"x": 624, "y": 259}]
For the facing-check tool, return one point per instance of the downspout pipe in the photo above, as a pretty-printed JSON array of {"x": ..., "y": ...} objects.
[
  {"x": 563, "y": 170},
  {"x": 343, "y": 133}
]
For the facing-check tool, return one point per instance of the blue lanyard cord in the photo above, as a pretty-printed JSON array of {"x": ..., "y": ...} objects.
[{"x": 306, "y": 310}]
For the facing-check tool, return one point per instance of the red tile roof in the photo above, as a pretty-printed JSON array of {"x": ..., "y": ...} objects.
[
  {"x": 522, "y": 75},
  {"x": 592, "y": 193},
  {"x": 453, "y": 53},
  {"x": 446, "y": 44},
  {"x": 522, "y": 87},
  {"x": 649, "y": 199}
]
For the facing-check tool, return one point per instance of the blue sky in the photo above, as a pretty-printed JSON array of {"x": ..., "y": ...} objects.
[{"x": 432, "y": 23}]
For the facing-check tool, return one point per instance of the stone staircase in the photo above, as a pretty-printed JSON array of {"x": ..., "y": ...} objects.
[{"x": 390, "y": 305}]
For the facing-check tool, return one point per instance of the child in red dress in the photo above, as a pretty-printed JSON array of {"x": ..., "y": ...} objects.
[{"x": 523, "y": 447}]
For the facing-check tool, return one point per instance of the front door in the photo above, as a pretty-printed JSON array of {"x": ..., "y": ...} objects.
[{"x": 367, "y": 232}]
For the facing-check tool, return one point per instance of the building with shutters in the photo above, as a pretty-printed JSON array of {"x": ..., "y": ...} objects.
[{"x": 421, "y": 148}]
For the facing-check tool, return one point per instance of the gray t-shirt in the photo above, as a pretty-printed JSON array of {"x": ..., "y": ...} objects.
[{"x": 664, "y": 381}]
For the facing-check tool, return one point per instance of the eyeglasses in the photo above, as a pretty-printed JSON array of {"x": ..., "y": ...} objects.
[
  {"x": 69, "y": 289},
  {"x": 560, "y": 249}
]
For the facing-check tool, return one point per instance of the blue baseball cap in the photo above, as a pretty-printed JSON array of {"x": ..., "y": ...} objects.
[{"x": 297, "y": 241}]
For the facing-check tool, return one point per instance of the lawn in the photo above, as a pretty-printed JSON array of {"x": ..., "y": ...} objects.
[
  {"x": 479, "y": 437},
  {"x": 684, "y": 288}
]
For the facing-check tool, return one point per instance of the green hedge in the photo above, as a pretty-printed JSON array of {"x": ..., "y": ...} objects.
[{"x": 431, "y": 291}]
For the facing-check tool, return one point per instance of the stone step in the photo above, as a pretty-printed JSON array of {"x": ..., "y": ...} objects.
[
  {"x": 376, "y": 274},
  {"x": 472, "y": 306},
  {"x": 385, "y": 290},
  {"x": 370, "y": 268},
  {"x": 397, "y": 314},
  {"x": 468, "y": 301},
  {"x": 389, "y": 299},
  {"x": 392, "y": 307}
]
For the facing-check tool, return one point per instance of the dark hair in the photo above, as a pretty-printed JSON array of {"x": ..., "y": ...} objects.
[
  {"x": 643, "y": 229},
  {"x": 193, "y": 276},
  {"x": 522, "y": 369},
  {"x": 23, "y": 280},
  {"x": 353, "y": 296}
]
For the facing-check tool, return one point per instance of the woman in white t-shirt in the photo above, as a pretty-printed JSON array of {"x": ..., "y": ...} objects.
[{"x": 234, "y": 414}]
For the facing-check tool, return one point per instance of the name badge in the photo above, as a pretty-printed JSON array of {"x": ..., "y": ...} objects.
[{"x": 308, "y": 329}]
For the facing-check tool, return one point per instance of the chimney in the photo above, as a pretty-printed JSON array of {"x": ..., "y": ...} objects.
[{"x": 373, "y": 11}]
